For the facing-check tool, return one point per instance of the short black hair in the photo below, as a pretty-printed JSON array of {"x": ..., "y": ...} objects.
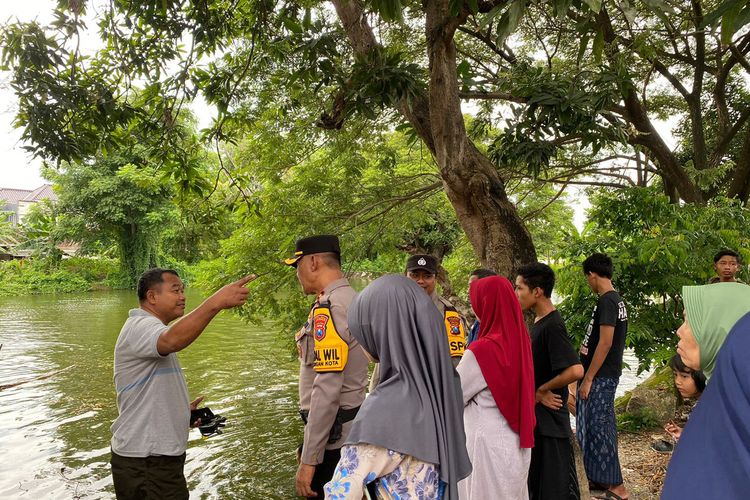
[
  {"x": 725, "y": 251},
  {"x": 538, "y": 275},
  {"x": 150, "y": 279},
  {"x": 699, "y": 378},
  {"x": 483, "y": 273},
  {"x": 598, "y": 263}
]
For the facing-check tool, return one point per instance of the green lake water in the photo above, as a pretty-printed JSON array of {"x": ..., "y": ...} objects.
[{"x": 54, "y": 431}]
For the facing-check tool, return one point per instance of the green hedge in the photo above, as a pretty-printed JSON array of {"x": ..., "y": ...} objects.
[{"x": 36, "y": 276}]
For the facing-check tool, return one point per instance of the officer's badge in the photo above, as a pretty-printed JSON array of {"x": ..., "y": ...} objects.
[
  {"x": 455, "y": 325},
  {"x": 320, "y": 322},
  {"x": 421, "y": 262}
]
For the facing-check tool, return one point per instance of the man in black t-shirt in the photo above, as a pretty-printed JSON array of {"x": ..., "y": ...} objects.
[
  {"x": 552, "y": 474},
  {"x": 601, "y": 355}
]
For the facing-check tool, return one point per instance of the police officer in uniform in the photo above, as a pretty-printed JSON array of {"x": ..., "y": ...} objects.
[
  {"x": 423, "y": 269},
  {"x": 333, "y": 366}
]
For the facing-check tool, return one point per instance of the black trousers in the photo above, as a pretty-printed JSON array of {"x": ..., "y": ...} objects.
[
  {"x": 149, "y": 478},
  {"x": 552, "y": 474},
  {"x": 324, "y": 472}
]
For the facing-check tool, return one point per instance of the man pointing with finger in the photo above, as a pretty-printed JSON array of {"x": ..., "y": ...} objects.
[
  {"x": 333, "y": 366},
  {"x": 150, "y": 435}
]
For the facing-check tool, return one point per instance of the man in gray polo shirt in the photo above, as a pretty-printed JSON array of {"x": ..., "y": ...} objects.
[{"x": 149, "y": 437}]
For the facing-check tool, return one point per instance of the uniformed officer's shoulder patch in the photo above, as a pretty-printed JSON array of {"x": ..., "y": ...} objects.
[
  {"x": 455, "y": 322},
  {"x": 319, "y": 330}
]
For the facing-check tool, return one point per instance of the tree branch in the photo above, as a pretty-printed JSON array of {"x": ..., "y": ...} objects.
[
  {"x": 487, "y": 40},
  {"x": 694, "y": 103},
  {"x": 726, "y": 139},
  {"x": 644, "y": 132},
  {"x": 538, "y": 211},
  {"x": 499, "y": 96}
]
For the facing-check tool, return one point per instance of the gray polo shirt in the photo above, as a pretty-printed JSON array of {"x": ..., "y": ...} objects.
[{"x": 152, "y": 396}]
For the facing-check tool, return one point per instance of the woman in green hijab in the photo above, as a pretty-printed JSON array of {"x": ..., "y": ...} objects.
[
  {"x": 710, "y": 312},
  {"x": 712, "y": 458}
]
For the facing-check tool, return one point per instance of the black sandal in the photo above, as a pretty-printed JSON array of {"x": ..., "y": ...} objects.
[{"x": 609, "y": 495}]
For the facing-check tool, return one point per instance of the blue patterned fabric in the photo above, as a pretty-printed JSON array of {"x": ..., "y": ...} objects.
[
  {"x": 596, "y": 430},
  {"x": 394, "y": 475}
]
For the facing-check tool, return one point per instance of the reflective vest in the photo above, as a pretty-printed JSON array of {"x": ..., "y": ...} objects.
[
  {"x": 454, "y": 326},
  {"x": 331, "y": 351}
]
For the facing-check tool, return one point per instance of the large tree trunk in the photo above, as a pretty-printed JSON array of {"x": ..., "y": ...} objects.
[{"x": 471, "y": 181}]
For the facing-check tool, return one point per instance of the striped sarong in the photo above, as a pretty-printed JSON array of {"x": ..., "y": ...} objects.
[{"x": 596, "y": 430}]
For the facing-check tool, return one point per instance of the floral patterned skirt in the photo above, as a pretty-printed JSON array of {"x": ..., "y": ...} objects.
[{"x": 394, "y": 476}]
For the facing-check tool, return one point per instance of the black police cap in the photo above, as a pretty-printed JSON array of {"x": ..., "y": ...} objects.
[
  {"x": 422, "y": 261},
  {"x": 322, "y": 243}
]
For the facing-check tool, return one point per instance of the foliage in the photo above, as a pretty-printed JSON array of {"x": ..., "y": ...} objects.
[
  {"x": 638, "y": 421},
  {"x": 657, "y": 248},
  {"x": 369, "y": 205},
  {"x": 548, "y": 214},
  {"x": 7, "y": 231},
  {"x": 731, "y": 15},
  {"x": 117, "y": 200},
  {"x": 382, "y": 196},
  {"x": 38, "y": 275},
  {"x": 575, "y": 87},
  {"x": 122, "y": 204},
  {"x": 39, "y": 231}
]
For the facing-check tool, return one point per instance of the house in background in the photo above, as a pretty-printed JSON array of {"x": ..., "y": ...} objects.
[
  {"x": 17, "y": 202},
  {"x": 15, "y": 205}
]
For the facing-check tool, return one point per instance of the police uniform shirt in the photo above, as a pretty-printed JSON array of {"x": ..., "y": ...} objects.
[
  {"x": 441, "y": 304},
  {"x": 322, "y": 394}
]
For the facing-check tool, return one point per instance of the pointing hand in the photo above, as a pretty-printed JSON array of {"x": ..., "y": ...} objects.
[{"x": 233, "y": 294}]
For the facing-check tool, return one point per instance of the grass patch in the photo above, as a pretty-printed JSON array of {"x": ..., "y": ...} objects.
[{"x": 639, "y": 421}]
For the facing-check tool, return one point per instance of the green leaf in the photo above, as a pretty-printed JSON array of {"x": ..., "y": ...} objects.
[
  {"x": 713, "y": 17},
  {"x": 307, "y": 19},
  {"x": 389, "y": 10},
  {"x": 561, "y": 7},
  {"x": 594, "y": 5},
  {"x": 660, "y": 7},
  {"x": 729, "y": 23},
  {"x": 515, "y": 12},
  {"x": 490, "y": 16},
  {"x": 598, "y": 46},
  {"x": 509, "y": 20},
  {"x": 628, "y": 10},
  {"x": 582, "y": 46}
]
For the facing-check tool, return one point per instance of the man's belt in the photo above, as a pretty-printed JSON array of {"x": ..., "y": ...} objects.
[{"x": 342, "y": 416}]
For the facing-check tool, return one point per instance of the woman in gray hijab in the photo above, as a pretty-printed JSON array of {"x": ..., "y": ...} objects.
[{"x": 408, "y": 438}]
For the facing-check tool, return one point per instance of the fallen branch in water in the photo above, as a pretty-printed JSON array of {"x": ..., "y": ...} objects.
[{"x": 41, "y": 377}]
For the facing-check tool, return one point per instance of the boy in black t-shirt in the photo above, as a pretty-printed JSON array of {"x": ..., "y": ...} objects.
[
  {"x": 601, "y": 355},
  {"x": 552, "y": 474}
]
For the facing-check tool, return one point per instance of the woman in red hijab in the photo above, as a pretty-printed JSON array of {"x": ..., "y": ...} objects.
[{"x": 497, "y": 378}]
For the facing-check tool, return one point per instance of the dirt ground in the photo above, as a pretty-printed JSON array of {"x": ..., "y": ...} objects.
[{"x": 642, "y": 468}]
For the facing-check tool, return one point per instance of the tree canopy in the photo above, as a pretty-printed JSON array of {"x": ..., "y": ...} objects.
[
  {"x": 576, "y": 89},
  {"x": 657, "y": 248}
]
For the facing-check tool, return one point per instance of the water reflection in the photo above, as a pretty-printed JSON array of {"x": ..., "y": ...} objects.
[{"x": 54, "y": 436}]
